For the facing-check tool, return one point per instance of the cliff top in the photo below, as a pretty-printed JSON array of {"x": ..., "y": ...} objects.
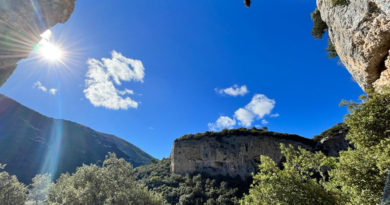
[
  {"x": 333, "y": 132},
  {"x": 255, "y": 132}
]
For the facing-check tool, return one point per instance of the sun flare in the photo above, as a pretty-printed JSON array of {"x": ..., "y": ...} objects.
[{"x": 49, "y": 50}]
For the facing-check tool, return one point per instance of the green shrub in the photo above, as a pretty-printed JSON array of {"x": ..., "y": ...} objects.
[
  {"x": 300, "y": 181},
  {"x": 319, "y": 26},
  {"x": 112, "y": 183},
  {"x": 12, "y": 192},
  {"x": 357, "y": 176},
  {"x": 332, "y": 53},
  {"x": 196, "y": 189},
  {"x": 339, "y": 2}
]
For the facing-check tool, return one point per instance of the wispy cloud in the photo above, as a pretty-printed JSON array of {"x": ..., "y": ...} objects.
[
  {"x": 104, "y": 74},
  {"x": 38, "y": 85},
  {"x": 221, "y": 123},
  {"x": 234, "y": 90},
  {"x": 257, "y": 109}
]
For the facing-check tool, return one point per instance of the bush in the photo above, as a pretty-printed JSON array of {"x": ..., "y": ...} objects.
[
  {"x": 332, "y": 53},
  {"x": 300, "y": 181},
  {"x": 197, "y": 189},
  {"x": 339, "y": 2},
  {"x": 357, "y": 176},
  {"x": 12, "y": 192},
  {"x": 319, "y": 26},
  {"x": 112, "y": 183},
  {"x": 361, "y": 173}
]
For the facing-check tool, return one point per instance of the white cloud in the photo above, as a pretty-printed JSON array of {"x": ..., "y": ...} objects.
[
  {"x": 234, "y": 90},
  {"x": 53, "y": 91},
  {"x": 101, "y": 76},
  {"x": 43, "y": 88},
  {"x": 39, "y": 85},
  {"x": 259, "y": 107},
  {"x": 274, "y": 115},
  {"x": 126, "y": 91},
  {"x": 221, "y": 123},
  {"x": 244, "y": 116}
]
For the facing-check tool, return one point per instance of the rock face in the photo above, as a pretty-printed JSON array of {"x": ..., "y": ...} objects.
[
  {"x": 230, "y": 152},
  {"x": 332, "y": 141},
  {"x": 21, "y": 23},
  {"x": 360, "y": 32}
]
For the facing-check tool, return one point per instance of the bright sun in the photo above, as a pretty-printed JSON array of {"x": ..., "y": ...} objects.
[{"x": 49, "y": 50}]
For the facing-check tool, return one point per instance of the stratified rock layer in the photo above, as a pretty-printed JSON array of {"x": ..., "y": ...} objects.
[
  {"x": 360, "y": 32},
  {"x": 229, "y": 154},
  {"x": 21, "y": 23}
]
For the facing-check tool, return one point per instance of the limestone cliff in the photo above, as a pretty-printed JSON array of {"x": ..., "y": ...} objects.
[
  {"x": 360, "y": 32},
  {"x": 230, "y": 152},
  {"x": 21, "y": 23}
]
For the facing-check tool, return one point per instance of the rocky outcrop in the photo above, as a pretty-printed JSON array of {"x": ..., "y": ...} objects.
[
  {"x": 21, "y": 23},
  {"x": 360, "y": 32},
  {"x": 230, "y": 152},
  {"x": 332, "y": 141},
  {"x": 237, "y": 152}
]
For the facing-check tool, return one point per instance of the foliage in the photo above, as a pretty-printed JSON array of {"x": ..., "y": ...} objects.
[
  {"x": 361, "y": 173},
  {"x": 39, "y": 188},
  {"x": 301, "y": 181},
  {"x": 12, "y": 192},
  {"x": 369, "y": 121},
  {"x": 339, "y": 2},
  {"x": 198, "y": 189},
  {"x": 319, "y": 26},
  {"x": 357, "y": 176},
  {"x": 332, "y": 53},
  {"x": 318, "y": 30},
  {"x": 112, "y": 183}
]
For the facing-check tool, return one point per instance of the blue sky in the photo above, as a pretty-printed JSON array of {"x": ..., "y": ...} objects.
[{"x": 188, "y": 49}]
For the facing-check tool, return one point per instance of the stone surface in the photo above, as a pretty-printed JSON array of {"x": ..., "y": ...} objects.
[
  {"x": 21, "y": 23},
  {"x": 332, "y": 140},
  {"x": 360, "y": 31},
  {"x": 229, "y": 155}
]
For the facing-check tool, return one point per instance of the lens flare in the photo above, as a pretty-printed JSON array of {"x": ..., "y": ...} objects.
[{"x": 49, "y": 50}]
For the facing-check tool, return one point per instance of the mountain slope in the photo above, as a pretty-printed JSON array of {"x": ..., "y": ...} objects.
[{"x": 32, "y": 143}]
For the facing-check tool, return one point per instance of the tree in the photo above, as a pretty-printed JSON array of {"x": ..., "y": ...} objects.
[
  {"x": 12, "y": 192},
  {"x": 301, "y": 180},
  {"x": 39, "y": 188},
  {"x": 361, "y": 173},
  {"x": 357, "y": 176},
  {"x": 319, "y": 29},
  {"x": 112, "y": 183}
]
